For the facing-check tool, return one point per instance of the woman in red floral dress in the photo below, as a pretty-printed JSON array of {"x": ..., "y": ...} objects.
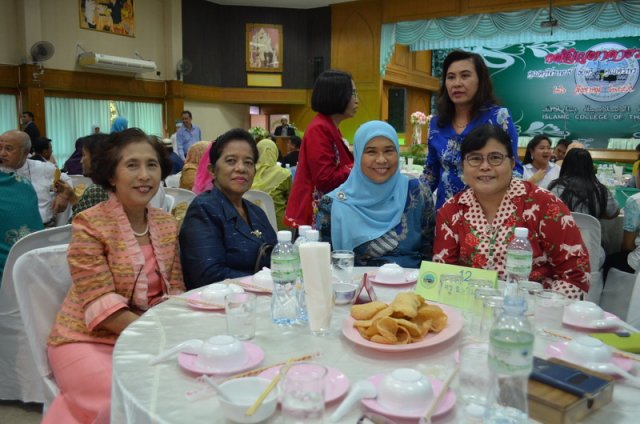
[{"x": 474, "y": 227}]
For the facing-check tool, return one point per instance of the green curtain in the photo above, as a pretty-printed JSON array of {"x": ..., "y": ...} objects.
[
  {"x": 69, "y": 119},
  {"x": 580, "y": 22},
  {"x": 8, "y": 113}
]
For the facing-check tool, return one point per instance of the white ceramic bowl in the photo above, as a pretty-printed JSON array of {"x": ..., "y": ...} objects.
[
  {"x": 405, "y": 389},
  {"x": 587, "y": 349},
  {"x": 221, "y": 352},
  {"x": 390, "y": 273},
  {"x": 582, "y": 313},
  {"x": 215, "y": 293},
  {"x": 344, "y": 292},
  {"x": 243, "y": 392}
]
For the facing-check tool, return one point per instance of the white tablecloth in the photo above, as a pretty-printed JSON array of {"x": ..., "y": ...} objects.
[{"x": 144, "y": 393}]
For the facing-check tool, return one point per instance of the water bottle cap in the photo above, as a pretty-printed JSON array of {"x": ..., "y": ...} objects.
[
  {"x": 284, "y": 236},
  {"x": 312, "y": 235},
  {"x": 522, "y": 232},
  {"x": 302, "y": 230}
]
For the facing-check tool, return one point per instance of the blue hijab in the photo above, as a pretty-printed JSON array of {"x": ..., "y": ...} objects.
[{"x": 363, "y": 210}]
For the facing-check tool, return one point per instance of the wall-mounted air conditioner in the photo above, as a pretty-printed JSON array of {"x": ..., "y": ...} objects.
[{"x": 115, "y": 63}]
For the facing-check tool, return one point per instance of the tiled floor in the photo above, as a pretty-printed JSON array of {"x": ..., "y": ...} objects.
[{"x": 15, "y": 412}]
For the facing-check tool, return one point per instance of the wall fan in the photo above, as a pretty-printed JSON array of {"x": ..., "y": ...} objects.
[
  {"x": 183, "y": 67},
  {"x": 42, "y": 51}
]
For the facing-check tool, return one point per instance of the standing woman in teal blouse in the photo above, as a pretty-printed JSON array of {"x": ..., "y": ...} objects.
[{"x": 380, "y": 214}]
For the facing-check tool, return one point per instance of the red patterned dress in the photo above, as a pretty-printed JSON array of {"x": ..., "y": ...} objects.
[{"x": 560, "y": 258}]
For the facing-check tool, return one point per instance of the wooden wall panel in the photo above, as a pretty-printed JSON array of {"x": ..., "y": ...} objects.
[
  {"x": 9, "y": 77},
  {"x": 355, "y": 47},
  {"x": 411, "y": 69},
  {"x": 244, "y": 95}
]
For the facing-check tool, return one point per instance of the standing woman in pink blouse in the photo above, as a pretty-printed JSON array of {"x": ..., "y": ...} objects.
[
  {"x": 474, "y": 227},
  {"x": 123, "y": 259}
]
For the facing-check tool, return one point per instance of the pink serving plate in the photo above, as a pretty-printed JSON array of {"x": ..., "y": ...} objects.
[
  {"x": 446, "y": 404},
  {"x": 336, "y": 385},
  {"x": 255, "y": 355},
  {"x": 557, "y": 349},
  {"x": 410, "y": 277},
  {"x": 250, "y": 285},
  {"x": 454, "y": 325}
]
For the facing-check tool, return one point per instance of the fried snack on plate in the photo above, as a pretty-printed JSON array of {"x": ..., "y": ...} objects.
[
  {"x": 367, "y": 310},
  {"x": 407, "y": 319}
]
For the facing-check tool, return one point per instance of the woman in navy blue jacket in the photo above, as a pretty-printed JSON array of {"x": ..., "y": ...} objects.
[{"x": 224, "y": 235}]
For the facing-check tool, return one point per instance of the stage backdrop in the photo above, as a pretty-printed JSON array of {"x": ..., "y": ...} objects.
[{"x": 584, "y": 90}]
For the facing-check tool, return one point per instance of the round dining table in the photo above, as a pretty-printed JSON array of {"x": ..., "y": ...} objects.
[{"x": 166, "y": 393}]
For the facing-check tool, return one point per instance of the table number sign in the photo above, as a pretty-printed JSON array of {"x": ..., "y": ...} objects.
[{"x": 450, "y": 284}]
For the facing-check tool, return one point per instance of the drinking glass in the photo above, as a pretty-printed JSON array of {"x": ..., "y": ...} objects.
[
  {"x": 342, "y": 265},
  {"x": 450, "y": 291},
  {"x": 548, "y": 310},
  {"x": 528, "y": 290},
  {"x": 302, "y": 389},
  {"x": 240, "y": 309},
  {"x": 474, "y": 379},
  {"x": 481, "y": 293}
]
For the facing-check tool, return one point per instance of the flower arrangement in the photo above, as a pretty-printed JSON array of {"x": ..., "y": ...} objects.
[
  {"x": 418, "y": 118},
  {"x": 258, "y": 133}
]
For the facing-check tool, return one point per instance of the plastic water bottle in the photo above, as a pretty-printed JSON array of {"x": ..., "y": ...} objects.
[
  {"x": 510, "y": 362},
  {"x": 519, "y": 261},
  {"x": 285, "y": 268},
  {"x": 302, "y": 232}
]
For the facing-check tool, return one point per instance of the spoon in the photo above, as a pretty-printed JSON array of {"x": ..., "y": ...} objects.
[
  {"x": 617, "y": 322},
  {"x": 219, "y": 390},
  {"x": 192, "y": 346},
  {"x": 613, "y": 369},
  {"x": 361, "y": 389}
]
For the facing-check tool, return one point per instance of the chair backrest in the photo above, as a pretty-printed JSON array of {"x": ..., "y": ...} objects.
[
  {"x": 591, "y": 235},
  {"x": 265, "y": 202},
  {"x": 173, "y": 180},
  {"x": 43, "y": 280},
  {"x": 20, "y": 380},
  {"x": 169, "y": 201},
  {"x": 180, "y": 195}
]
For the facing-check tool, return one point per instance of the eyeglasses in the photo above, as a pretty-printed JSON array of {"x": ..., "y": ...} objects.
[
  {"x": 493, "y": 159},
  {"x": 354, "y": 93}
]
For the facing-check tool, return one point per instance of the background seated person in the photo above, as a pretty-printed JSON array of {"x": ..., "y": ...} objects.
[
  {"x": 579, "y": 188},
  {"x": 284, "y": 129},
  {"x": 123, "y": 259},
  {"x": 95, "y": 193},
  {"x": 560, "y": 151},
  {"x": 474, "y": 228},
  {"x": 628, "y": 259},
  {"x": 191, "y": 162},
  {"x": 293, "y": 147},
  {"x": 272, "y": 179},
  {"x": 223, "y": 235},
  {"x": 379, "y": 213},
  {"x": 42, "y": 149},
  {"x": 537, "y": 166},
  {"x": 41, "y": 174}
]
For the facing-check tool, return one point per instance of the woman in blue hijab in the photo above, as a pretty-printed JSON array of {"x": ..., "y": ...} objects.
[
  {"x": 119, "y": 124},
  {"x": 379, "y": 213}
]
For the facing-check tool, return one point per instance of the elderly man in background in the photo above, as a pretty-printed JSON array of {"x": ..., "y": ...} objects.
[
  {"x": 187, "y": 135},
  {"x": 53, "y": 189}
]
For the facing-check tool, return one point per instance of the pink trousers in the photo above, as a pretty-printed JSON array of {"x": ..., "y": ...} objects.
[{"x": 83, "y": 374}]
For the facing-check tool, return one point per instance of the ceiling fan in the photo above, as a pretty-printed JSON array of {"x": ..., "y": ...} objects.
[{"x": 551, "y": 22}]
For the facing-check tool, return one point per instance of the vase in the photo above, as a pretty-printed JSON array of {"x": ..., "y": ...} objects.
[{"x": 416, "y": 135}]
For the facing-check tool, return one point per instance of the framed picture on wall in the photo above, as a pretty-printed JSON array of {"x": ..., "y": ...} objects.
[
  {"x": 113, "y": 16},
  {"x": 264, "y": 48}
]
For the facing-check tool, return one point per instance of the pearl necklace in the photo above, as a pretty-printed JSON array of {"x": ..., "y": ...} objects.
[{"x": 142, "y": 234}]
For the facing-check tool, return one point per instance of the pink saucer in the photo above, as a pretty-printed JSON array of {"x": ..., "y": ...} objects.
[
  {"x": 336, "y": 385},
  {"x": 557, "y": 349},
  {"x": 255, "y": 355},
  {"x": 407, "y": 280},
  {"x": 446, "y": 404},
  {"x": 194, "y": 300},
  {"x": 608, "y": 317}
]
